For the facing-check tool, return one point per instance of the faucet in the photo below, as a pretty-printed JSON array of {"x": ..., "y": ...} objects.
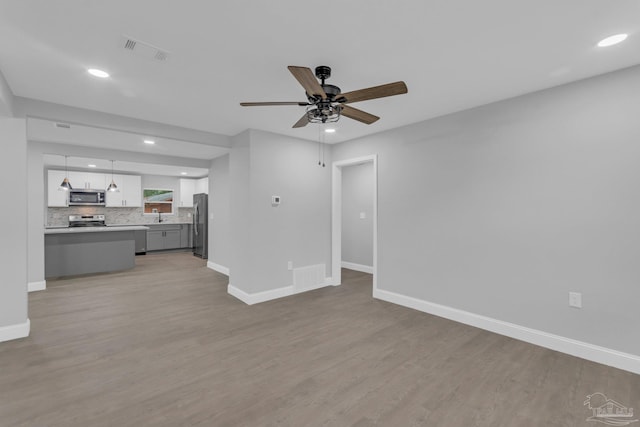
[{"x": 159, "y": 217}]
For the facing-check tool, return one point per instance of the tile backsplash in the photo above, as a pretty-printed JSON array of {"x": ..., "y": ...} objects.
[{"x": 60, "y": 216}]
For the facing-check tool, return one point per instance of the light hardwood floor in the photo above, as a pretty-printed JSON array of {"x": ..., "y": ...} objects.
[{"x": 165, "y": 345}]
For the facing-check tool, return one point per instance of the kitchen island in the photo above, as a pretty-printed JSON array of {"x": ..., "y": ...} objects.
[{"x": 86, "y": 250}]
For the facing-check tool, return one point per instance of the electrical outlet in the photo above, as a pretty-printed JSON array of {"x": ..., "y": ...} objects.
[
  {"x": 188, "y": 214},
  {"x": 575, "y": 299},
  {"x": 363, "y": 215},
  {"x": 290, "y": 265}
]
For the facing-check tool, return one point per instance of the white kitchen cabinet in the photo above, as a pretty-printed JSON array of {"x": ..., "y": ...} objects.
[
  {"x": 202, "y": 186},
  {"x": 76, "y": 179},
  {"x": 56, "y": 198},
  {"x": 87, "y": 180},
  {"x": 132, "y": 191},
  {"x": 115, "y": 199},
  {"x": 130, "y": 194},
  {"x": 97, "y": 181},
  {"x": 187, "y": 190},
  {"x": 189, "y": 187}
]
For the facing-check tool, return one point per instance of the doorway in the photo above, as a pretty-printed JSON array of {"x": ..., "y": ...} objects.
[{"x": 336, "y": 216}]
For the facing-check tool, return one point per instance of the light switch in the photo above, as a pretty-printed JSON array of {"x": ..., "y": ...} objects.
[{"x": 363, "y": 215}]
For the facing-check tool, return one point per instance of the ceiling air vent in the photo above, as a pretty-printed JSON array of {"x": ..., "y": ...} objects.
[
  {"x": 144, "y": 50},
  {"x": 129, "y": 44}
]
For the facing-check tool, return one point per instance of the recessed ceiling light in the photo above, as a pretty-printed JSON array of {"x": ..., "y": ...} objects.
[
  {"x": 149, "y": 141},
  {"x": 98, "y": 73},
  {"x": 611, "y": 40},
  {"x": 183, "y": 173},
  {"x": 92, "y": 166},
  {"x": 330, "y": 130}
]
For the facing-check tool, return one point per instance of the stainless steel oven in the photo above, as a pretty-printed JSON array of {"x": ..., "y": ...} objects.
[{"x": 87, "y": 221}]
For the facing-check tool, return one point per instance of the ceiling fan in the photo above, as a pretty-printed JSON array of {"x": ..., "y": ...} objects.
[{"x": 325, "y": 103}]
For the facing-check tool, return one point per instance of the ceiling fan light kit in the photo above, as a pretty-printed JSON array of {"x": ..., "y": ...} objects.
[{"x": 326, "y": 103}]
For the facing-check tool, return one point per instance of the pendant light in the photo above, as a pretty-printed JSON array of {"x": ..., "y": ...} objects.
[
  {"x": 112, "y": 186},
  {"x": 66, "y": 185}
]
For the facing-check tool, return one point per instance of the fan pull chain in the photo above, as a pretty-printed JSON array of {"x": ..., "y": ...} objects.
[
  {"x": 319, "y": 150},
  {"x": 321, "y": 144}
]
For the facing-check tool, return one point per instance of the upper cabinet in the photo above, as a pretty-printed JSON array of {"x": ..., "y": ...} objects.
[
  {"x": 202, "y": 186},
  {"x": 55, "y": 197},
  {"x": 130, "y": 186},
  {"x": 87, "y": 180},
  {"x": 187, "y": 190},
  {"x": 130, "y": 194},
  {"x": 132, "y": 190},
  {"x": 189, "y": 187}
]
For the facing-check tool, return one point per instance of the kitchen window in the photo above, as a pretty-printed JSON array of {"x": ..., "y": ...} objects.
[{"x": 157, "y": 200}]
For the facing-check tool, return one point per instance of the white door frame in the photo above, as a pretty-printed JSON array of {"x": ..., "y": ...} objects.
[{"x": 336, "y": 217}]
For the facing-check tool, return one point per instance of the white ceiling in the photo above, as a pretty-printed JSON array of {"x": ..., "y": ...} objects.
[
  {"x": 47, "y": 131},
  {"x": 56, "y": 161},
  {"x": 452, "y": 54}
]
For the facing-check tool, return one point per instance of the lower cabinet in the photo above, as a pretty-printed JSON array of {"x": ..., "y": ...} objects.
[{"x": 169, "y": 236}]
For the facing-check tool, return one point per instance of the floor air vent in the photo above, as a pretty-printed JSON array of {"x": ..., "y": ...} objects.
[{"x": 309, "y": 277}]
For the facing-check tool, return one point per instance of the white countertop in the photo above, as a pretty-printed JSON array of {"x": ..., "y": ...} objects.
[{"x": 66, "y": 230}]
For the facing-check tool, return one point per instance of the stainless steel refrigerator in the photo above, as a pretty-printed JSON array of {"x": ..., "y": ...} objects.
[{"x": 200, "y": 229}]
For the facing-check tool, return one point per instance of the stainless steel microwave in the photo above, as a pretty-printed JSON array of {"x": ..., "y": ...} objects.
[{"x": 86, "y": 197}]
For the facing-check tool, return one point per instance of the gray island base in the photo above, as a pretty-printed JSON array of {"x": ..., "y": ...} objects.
[{"x": 70, "y": 252}]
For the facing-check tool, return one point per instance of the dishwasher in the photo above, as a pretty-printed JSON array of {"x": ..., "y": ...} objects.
[{"x": 141, "y": 241}]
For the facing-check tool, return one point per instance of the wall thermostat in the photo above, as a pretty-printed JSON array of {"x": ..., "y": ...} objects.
[{"x": 275, "y": 200}]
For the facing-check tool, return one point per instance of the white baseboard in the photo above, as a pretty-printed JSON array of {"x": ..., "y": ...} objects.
[
  {"x": 37, "y": 286},
  {"x": 357, "y": 267},
  {"x": 594, "y": 353},
  {"x": 258, "y": 297},
  {"x": 271, "y": 294},
  {"x": 13, "y": 332},
  {"x": 217, "y": 267}
]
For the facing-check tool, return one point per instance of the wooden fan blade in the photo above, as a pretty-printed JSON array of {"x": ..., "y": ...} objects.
[
  {"x": 374, "y": 92},
  {"x": 304, "y": 120},
  {"x": 261, "y": 104},
  {"x": 308, "y": 81},
  {"x": 359, "y": 115}
]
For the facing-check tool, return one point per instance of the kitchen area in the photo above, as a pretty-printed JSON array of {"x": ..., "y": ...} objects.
[{"x": 98, "y": 222}]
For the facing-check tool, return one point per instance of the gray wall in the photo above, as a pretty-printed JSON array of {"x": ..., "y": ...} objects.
[
  {"x": 36, "y": 213},
  {"x": 219, "y": 206},
  {"x": 265, "y": 238},
  {"x": 6, "y": 98},
  {"x": 240, "y": 253},
  {"x": 503, "y": 209},
  {"x": 13, "y": 245},
  {"x": 357, "y": 198}
]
